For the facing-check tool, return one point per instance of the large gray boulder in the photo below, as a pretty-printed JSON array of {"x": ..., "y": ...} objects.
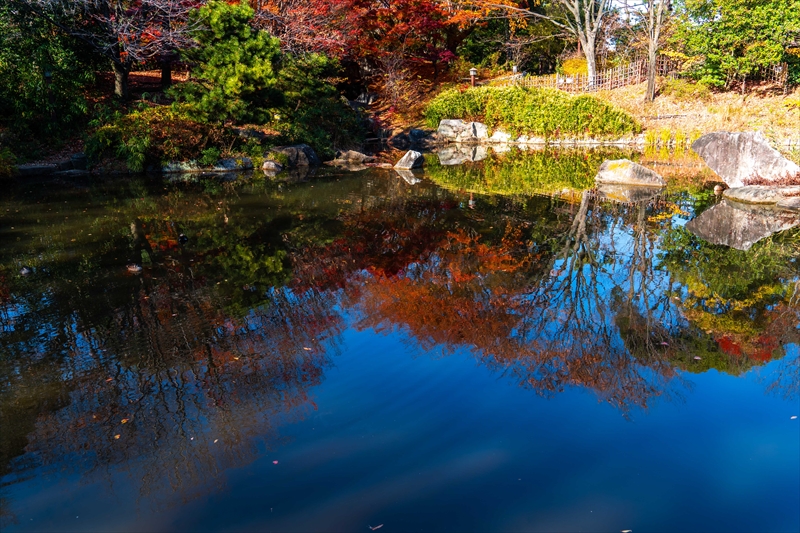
[
  {"x": 740, "y": 225},
  {"x": 761, "y": 194},
  {"x": 740, "y": 157},
  {"x": 411, "y": 159},
  {"x": 450, "y": 129},
  {"x": 234, "y": 163},
  {"x": 626, "y": 172},
  {"x": 35, "y": 170},
  {"x": 353, "y": 157},
  {"x": 462, "y": 132},
  {"x": 790, "y": 204},
  {"x": 299, "y": 155}
]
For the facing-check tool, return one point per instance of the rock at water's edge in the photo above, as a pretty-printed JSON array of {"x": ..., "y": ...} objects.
[
  {"x": 462, "y": 132},
  {"x": 738, "y": 157},
  {"x": 299, "y": 155},
  {"x": 412, "y": 159},
  {"x": 790, "y": 204},
  {"x": 761, "y": 194},
  {"x": 626, "y": 172}
]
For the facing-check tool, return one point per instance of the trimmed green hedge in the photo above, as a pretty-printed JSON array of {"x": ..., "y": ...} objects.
[{"x": 541, "y": 112}]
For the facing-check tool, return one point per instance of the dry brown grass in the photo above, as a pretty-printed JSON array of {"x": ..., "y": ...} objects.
[{"x": 765, "y": 109}]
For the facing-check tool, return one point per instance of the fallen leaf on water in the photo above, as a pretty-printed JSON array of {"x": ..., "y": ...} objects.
[
  {"x": 376, "y": 527},
  {"x": 274, "y": 462},
  {"x": 109, "y": 379},
  {"x": 116, "y": 436},
  {"x": 124, "y": 420}
]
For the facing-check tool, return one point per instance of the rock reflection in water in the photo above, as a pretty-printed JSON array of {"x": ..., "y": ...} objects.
[
  {"x": 741, "y": 225},
  {"x": 627, "y": 193}
]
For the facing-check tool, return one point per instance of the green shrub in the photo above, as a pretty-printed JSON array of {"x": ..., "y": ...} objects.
[
  {"x": 540, "y": 112},
  {"x": 209, "y": 156},
  {"x": 681, "y": 89},
  {"x": 42, "y": 79},
  {"x": 153, "y": 135},
  {"x": 7, "y": 161}
]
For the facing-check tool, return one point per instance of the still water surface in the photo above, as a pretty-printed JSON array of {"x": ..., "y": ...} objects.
[{"x": 356, "y": 351}]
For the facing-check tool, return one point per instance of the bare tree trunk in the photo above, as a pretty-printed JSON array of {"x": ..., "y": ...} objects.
[
  {"x": 591, "y": 59},
  {"x": 166, "y": 72},
  {"x": 652, "y": 51},
  {"x": 121, "y": 81}
]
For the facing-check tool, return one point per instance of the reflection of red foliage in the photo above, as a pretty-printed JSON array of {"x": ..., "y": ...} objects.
[
  {"x": 729, "y": 346},
  {"x": 766, "y": 346}
]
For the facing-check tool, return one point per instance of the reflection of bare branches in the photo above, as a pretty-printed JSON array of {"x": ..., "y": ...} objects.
[
  {"x": 192, "y": 405},
  {"x": 787, "y": 378}
]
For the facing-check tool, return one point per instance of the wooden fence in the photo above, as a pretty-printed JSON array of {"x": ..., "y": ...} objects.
[
  {"x": 621, "y": 76},
  {"x": 778, "y": 74},
  {"x": 630, "y": 74}
]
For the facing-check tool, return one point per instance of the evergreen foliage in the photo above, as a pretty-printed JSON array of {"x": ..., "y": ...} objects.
[{"x": 235, "y": 67}]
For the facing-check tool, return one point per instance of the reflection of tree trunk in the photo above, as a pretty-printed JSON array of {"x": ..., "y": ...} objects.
[{"x": 140, "y": 242}]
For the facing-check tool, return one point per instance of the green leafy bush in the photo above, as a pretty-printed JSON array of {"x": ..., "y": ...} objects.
[
  {"x": 153, "y": 135},
  {"x": 7, "y": 160},
  {"x": 540, "y": 112},
  {"x": 42, "y": 80},
  {"x": 681, "y": 89}
]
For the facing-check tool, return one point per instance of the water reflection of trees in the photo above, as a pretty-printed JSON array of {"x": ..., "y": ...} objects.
[
  {"x": 198, "y": 393},
  {"x": 221, "y": 339}
]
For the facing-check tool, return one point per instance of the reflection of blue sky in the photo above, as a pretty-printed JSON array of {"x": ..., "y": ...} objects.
[{"x": 421, "y": 443}]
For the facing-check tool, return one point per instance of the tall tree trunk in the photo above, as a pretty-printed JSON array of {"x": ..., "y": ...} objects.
[
  {"x": 166, "y": 72},
  {"x": 591, "y": 59},
  {"x": 166, "y": 57},
  {"x": 652, "y": 51},
  {"x": 121, "y": 81}
]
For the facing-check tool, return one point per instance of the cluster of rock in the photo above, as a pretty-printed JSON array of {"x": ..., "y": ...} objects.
[
  {"x": 748, "y": 213},
  {"x": 230, "y": 164},
  {"x": 741, "y": 159},
  {"x": 75, "y": 166}
]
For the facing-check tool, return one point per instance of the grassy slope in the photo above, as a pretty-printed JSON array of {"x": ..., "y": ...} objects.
[{"x": 774, "y": 114}]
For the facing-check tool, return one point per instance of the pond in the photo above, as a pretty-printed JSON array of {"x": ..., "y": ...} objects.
[{"x": 458, "y": 350}]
